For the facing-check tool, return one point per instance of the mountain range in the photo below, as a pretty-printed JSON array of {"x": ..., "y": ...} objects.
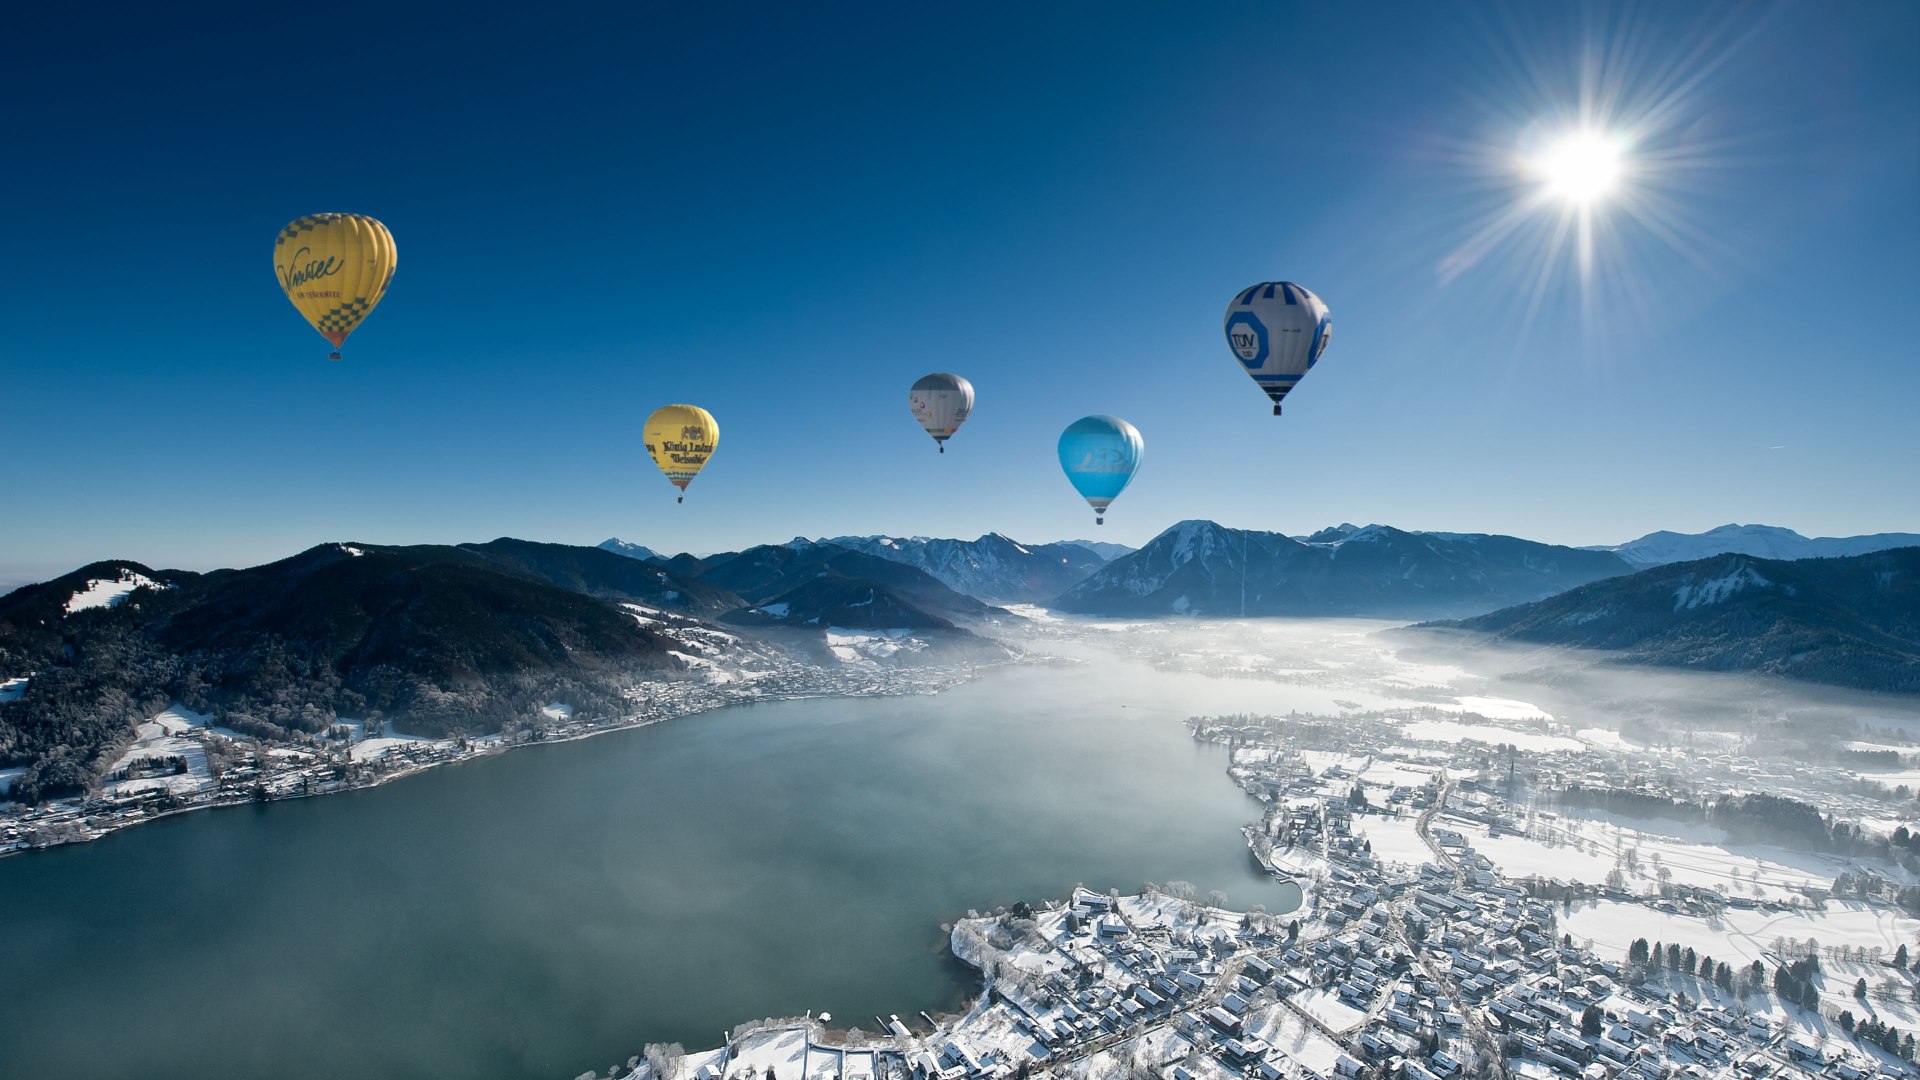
[
  {"x": 1764, "y": 541},
  {"x": 1852, "y": 621},
  {"x": 473, "y": 636},
  {"x": 1203, "y": 568},
  {"x": 994, "y": 568}
]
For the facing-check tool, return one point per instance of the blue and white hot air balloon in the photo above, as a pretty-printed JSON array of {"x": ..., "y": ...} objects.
[
  {"x": 1277, "y": 330},
  {"x": 1100, "y": 455}
]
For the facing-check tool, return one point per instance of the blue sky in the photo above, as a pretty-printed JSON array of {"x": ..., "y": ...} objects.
[{"x": 787, "y": 214}]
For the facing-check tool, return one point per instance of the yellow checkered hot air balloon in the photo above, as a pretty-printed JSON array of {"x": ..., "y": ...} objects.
[
  {"x": 680, "y": 438},
  {"x": 335, "y": 268}
]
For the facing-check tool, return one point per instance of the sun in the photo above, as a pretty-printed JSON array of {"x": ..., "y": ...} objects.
[{"x": 1581, "y": 168}]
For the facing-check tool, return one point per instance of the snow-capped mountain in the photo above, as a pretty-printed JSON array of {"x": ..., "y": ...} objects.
[
  {"x": 994, "y": 568},
  {"x": 631, "y": 550},
  {"x": 1763, "y": 541},
  {"x": 1852, "y": 621},
  {"x": 1202, "y": 568}
]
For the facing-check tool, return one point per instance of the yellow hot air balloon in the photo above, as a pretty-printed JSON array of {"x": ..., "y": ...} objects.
[
  {"x": 335, "y": 268},
  {"x": 681, "y": 438}
]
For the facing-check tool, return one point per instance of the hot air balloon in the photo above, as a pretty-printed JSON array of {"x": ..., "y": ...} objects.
[
  {"x": 1277, "y": 331},
  {"x": 1100, "y": 455},
  {"x": 940, "y": 403},
  {"x": 681, "y": 438},
  {"x": 335, "y": 268}
]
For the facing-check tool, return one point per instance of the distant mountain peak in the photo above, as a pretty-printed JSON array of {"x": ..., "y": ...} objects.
[
  {"x": 1733, "y": 529},
  {"x": 1333, "y": 533},
  {"x": 630, "y": 550}
]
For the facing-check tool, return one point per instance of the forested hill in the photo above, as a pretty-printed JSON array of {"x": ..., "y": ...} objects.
[
  {"x": 451, "y": 638},
  {"x": 1851, "y": 622}
]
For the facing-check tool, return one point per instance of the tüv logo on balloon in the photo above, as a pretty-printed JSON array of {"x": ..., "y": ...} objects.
[{"x": 1107, "y": 460}]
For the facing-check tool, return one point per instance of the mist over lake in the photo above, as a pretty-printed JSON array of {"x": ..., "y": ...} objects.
[{"x": 550, "y": 909}]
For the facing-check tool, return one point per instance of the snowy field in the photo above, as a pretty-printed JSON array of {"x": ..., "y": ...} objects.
[
  {"x": 867, "y": 646},
  {"x": 1288, "y": 1033},
  {"x": 1449, "y": 731},
  {"x": 373, "y": 749},
  {"x": 1682, "y": 853},
  {"x": 1326, "y": 1007},
  {"x": 165, "y": 736},
  {"x": 1496, "y": 708},
  {"x": 1392, "y": 774},
  {"x": 1394, "y": 840},
  {"x": 1738, "y": 934}
]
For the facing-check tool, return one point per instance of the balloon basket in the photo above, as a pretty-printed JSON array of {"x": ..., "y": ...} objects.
[
  {"x": 333, "y": 356},
  {"x": 1099, "y": 521},
  {"x": 679, "y": 498},
  {"x": 1276, "y": 408},
  {"x": 943, "y": 448}
]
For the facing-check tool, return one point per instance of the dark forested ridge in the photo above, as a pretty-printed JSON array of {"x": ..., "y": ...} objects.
[
  {"x": 782, "y": 573},
  {"x": 450, "y": 638},
  {"x": 440, "y": 639},
  {"x": 1851, "y": 622}
]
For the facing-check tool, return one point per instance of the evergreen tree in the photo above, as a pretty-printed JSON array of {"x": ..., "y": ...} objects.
[{"x": 1590, "y": 1020}]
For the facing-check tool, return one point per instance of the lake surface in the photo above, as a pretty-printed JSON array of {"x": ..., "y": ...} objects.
[{"x": 549, "y": 910}]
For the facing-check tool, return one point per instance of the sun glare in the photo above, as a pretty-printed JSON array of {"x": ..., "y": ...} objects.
[
  {"x": 1581, "y": 168},
  {"x": 1596, "y": 161}
]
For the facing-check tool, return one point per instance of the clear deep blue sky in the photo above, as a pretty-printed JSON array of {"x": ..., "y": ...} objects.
[{"x": 787, "y": 213}]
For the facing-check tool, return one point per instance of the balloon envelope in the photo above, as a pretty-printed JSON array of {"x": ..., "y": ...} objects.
[
  {"x": 940, "y": 404},
  {"x": 334, "y": 268},
  {"x": 1100, "y": 454},
  {"x": 1277, "y": 331},
  {"x": 680, "y": 439}
]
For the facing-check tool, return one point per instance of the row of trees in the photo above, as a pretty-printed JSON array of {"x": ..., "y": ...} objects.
[{"x": 1682, "y": 960}]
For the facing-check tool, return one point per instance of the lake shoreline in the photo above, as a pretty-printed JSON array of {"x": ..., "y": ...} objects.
[{"x": 86, "y": 830}]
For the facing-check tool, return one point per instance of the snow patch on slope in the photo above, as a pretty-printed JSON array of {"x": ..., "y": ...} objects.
[
  {"x": 109, "y": 592},
  {"x": 1720, "y": 588}
]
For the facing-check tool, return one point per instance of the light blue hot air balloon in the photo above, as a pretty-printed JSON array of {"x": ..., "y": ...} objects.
[{"x": 1100, "y": 455}]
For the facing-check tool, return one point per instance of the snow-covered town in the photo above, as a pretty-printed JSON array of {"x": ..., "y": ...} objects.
[{"x": 1457, "y": 922}]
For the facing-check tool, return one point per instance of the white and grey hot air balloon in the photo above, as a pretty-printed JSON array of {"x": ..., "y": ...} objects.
[
  {"x": 940, "y": 403},
  {"x": 1277, "y": 330}
]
